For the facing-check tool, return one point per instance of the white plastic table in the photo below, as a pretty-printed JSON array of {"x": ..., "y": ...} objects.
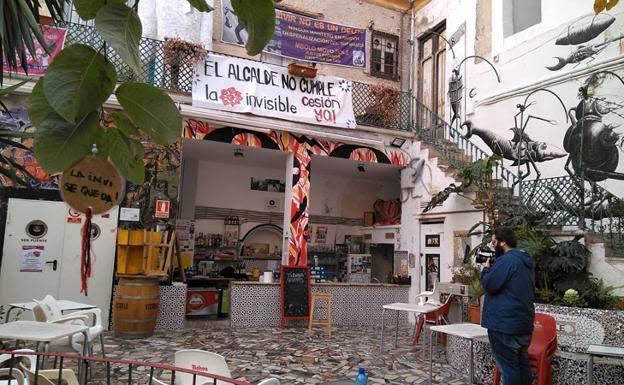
[
  {"x": 468, "y": 331},
  {"x": 64, "y": 305},
  {"x": 399, "y": 307},
  {"x": 43, "y": 333},
  {"x": 600, "y": 350}
]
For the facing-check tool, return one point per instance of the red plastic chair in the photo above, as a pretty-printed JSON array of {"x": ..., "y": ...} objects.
[
  {"x": 434, "y": 317},
  {"x": 541, "y": 351}
]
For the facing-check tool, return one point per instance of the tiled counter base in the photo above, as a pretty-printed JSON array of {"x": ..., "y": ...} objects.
[
  {"x": 579, "y": 328},
  {"x": 258, "y": 304}
]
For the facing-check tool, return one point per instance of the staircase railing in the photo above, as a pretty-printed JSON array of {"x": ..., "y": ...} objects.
[
  {"x": 566, "y": 201},
  {"x": 450, "y": 143}
]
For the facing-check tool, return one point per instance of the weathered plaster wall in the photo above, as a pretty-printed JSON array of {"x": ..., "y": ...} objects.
[{"x": 354, "y": 13}]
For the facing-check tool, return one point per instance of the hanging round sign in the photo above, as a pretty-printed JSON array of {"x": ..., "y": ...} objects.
[{"x": 93, "y": 182}]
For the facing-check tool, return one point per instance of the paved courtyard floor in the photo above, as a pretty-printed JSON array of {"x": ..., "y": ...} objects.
[{"x": 291, "y": 355}]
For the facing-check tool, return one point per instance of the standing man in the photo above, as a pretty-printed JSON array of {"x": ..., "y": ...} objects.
[{"x": 508, "y": 311}]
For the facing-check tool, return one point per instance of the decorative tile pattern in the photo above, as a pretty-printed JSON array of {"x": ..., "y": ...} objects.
[
  {"x": 172, "y": 313},
  {"x": 259, "y": 305},
  {"x": 586, "y": 326}
]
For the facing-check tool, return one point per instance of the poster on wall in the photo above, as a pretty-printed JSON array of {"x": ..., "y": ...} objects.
[
  {"x": 270, "y": 185},
  {"x": 37, "y": 65},
  {"x": 433, "y": 270},
  {"x": 321, "y": 234},
  {"x": 302, "y": 38},
  {"x": 432, "y": 240},
  {"x": 31, "y": 260},
  {"x": 239, "y": 85},
  {"x": 185, "y": 233}
]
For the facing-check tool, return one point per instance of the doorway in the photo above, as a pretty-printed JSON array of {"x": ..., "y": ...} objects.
[
  {"x": 42, "y": 249},
  {"x": 432, "y": 79},
  {"x": 432, "y": 238}
]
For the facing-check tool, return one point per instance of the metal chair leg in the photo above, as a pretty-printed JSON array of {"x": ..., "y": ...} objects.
[{"x": 102, "y": 345}]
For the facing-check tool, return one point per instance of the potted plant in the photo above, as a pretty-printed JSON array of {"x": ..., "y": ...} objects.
[
  {"x": 383, "y": 109},
  {"x": 180, "y": 52},
  {"x": 474, "y": 307}
]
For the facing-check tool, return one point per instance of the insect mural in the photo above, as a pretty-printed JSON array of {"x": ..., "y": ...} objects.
[
  {"x": 580, "y": 34},
  {"x": 592, "y": 144}
]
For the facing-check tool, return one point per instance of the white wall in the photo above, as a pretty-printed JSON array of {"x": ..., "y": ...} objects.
[
  {"x": 228, "y": 186},
  {"x": 521, "y": 61},
  {"x": 176, "y": 18}
]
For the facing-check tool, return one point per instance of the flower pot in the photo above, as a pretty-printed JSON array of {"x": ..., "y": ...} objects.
[
  {"x": 299, "y": 70},
  {"x": 474, "y": 314}
]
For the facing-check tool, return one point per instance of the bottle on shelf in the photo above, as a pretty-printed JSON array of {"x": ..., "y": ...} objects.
[{"x": 362, "y": 378}]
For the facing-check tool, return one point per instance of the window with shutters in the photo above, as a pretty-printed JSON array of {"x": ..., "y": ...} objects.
[{"x": 384, "y": 55}]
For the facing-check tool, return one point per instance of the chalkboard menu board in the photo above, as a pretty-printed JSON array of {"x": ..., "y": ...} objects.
[{"x": 295, "y": 285}]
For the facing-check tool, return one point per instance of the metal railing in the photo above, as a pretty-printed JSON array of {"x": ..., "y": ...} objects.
[
  {"x": 451, "y": 144},
  {"x": 96, "y": 370},
  {"x": 567, "y": 201}
]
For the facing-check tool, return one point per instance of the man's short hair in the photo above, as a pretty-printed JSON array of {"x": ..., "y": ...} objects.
[{"x": 507, "y": 235}]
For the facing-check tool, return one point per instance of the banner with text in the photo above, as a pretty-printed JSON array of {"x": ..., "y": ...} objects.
[
  {"x": 37, "y": 65},
  {"x": 303, "y": 38},
  {"x": 240, "y": 85}
]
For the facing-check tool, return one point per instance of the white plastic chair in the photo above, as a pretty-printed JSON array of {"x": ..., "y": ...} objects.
[
  {"x": 17, "y": 377},
  {"x": 269, "y": 381},
  {"x": 27, "y": 372},
  {"x": 430, "y": 297},
  {"x": 201, "y": 361},
  {"x": 47, "y": 310}
]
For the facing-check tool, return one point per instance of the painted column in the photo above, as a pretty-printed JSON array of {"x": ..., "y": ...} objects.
[
  {"x": 287, "y": 208},
  {"x": 299, "y": 205}
]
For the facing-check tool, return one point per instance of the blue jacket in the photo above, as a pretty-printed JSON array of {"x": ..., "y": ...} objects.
[{"x": 509, "y": 293}]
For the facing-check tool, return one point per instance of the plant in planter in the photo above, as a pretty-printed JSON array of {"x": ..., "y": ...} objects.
[
  {"x": 180, "y": 53},
  {"x": 383, "y": 110},
  {"x": 474, "y": 307}
]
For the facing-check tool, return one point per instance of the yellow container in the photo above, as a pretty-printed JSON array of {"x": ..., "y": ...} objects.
[{"x": 136, "y": 238}]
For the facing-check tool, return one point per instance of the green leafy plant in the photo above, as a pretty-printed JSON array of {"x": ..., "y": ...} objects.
[
  {"x": 568, "y": 256},
  {"x": 476, "y": 290},
  {"x": 466, "y": 274},
  {"x": 67, "y": 104},
  {"x": 602, "y": 5}
]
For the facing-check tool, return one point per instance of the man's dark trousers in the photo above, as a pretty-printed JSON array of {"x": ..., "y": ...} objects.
[{"x": 511, "y": 353}]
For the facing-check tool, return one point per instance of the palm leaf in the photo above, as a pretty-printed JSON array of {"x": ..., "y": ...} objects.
[{"x": 18, "y": 24}]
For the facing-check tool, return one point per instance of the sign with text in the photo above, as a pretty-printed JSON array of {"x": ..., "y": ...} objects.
[
  {"x": 240, "y": 85},
  {"x": 295, "y": 292},
  {"x": 302, "y": 38},
  {"x": 162, "y": 209},
  {"x": 32, "y": 259},
  {"x": 93, "y": 182},
  {"x": 37, "y": 65}
]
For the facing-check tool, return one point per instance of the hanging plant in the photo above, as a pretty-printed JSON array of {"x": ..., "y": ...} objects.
[
  {"x": 178, "y": 51},
  {"x": 385, "y": 102}
]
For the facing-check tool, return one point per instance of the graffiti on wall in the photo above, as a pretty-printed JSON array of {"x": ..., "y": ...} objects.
[
  {"x": 16, "y": 119},
  {"x": 581, "y": 33},
  {"x": 303, "y": 148}
]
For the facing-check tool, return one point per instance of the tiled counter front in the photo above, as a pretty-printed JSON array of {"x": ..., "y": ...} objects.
[
  {"x": 578, "y": 328},
  {"x": 258, "y": 304},
  {"x": 172, "y": 311}
]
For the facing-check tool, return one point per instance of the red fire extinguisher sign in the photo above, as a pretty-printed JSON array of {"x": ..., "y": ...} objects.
[{"x": 162, "y": 209}]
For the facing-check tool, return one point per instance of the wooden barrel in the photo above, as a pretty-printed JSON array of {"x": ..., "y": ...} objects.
[{"x": 136, "y": 305}]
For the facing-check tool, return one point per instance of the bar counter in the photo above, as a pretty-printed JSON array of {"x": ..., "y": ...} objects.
[{"x": 255, "y": 304}]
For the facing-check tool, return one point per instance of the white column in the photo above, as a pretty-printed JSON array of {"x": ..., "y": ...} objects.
[{"x": 287, "y": 205}]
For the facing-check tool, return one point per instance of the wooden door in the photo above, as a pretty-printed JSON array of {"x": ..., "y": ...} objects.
[{"x": 432, "y": 77}]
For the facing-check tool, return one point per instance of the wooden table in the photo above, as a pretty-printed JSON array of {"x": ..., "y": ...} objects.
[
  {"x": 399, "y": 307},
  {"x": 601, "y": 350},
  {"x": 44, "y": 333},
  {"x": 62, "y": 304},
  {"x": 468, "y": 331}
]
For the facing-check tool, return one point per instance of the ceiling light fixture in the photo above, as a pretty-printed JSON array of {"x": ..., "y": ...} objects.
[{"x": 397, "y": 142}]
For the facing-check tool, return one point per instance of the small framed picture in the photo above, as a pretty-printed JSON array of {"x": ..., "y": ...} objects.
[{"x": 432, "y": 240}]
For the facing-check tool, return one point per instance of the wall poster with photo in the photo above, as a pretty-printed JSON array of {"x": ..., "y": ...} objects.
[
  {"x": 267, "y": 184},
  {"x": 432, "y": 263},
  {"x": 321, "y": 234},
  {"x": 432, "y": 240}
]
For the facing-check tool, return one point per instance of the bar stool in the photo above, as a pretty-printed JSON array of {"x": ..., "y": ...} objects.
[{"x": 327, "y": 298}]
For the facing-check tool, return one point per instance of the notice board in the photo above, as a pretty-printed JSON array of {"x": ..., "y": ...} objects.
[{"x": 295, "y": 290}]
